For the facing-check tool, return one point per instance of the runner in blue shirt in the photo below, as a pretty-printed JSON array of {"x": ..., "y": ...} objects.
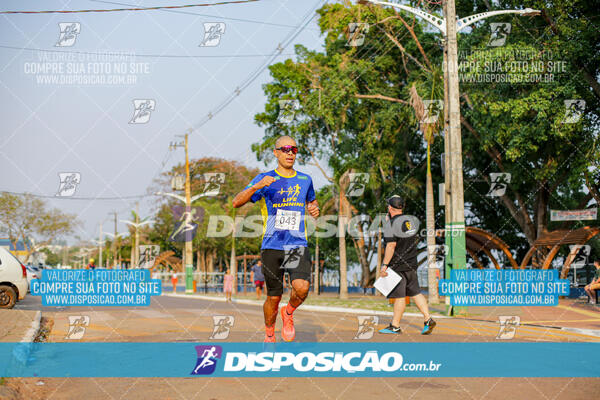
[{"x": 284, "y": 194}]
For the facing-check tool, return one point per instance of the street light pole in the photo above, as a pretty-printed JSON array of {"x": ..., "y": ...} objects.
[
  {"x": 188, "y": 252},
  {"x": 114, "y": 243},
  {"x": 116, "y": 248},
  {"x": 101, "y": 245},
  {"x": 189, "y": 266},
  {"x": 455, "y": 227},
  {"x": 136, "y": 224}
]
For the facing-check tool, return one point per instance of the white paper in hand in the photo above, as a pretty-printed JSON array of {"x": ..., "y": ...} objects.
[{"x": 385, "y": 284}]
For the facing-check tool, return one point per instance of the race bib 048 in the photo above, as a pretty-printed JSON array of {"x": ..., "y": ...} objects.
[{"x": 287, "y": 220}]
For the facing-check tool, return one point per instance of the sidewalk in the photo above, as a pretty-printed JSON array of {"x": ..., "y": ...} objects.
[{"x": 19, "y": 325}]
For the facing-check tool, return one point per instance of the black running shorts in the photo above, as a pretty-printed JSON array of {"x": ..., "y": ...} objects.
[
  {"x": 408, "y": 286},
  {"x": 275, "y": 262}
]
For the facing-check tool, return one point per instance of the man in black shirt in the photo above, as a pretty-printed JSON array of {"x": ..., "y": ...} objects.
[{"x": 401, "y": 238}]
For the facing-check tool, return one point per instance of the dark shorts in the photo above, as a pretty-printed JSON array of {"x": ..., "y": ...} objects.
[
  {"x": 259, "y": 284},
  {"x": 276, "y": 262},
  {"x": 408, "y": 286}
]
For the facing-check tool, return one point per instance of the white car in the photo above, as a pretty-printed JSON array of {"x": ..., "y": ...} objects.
[{"x": 13, "y": 279}]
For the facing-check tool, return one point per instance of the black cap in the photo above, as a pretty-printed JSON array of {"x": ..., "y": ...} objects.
[{"x": 396, "y": 201}]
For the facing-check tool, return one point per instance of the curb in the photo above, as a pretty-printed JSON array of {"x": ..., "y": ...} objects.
[
  {"x": 32, "y": 332},
  {"x": 583, "y": 331},
  {"x": 308, "y": 307},
  {"x": 22, "y": 351}
]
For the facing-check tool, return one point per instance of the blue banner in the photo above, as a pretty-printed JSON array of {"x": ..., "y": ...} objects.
[
  {"x": 227, "y": 359},
  {"x": 488, "y": 287},
  {"x": 98, "y": 287}
]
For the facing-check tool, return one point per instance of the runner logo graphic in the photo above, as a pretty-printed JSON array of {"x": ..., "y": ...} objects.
[
  {"x": 187, "y": 223},
  {"x": 356, "y": 33},
  {"x": 68, "y": 183},
  {"x": 222, "y": 326},
  {"x": 148, "y": 254},
  {"x": 142, "y": 110},
  {"x": 508, "y": 326},
  {"x": 292, "y": 257},
  {"x": 574, "y": 110},
  {"x": 358, "y": 183},
  {"x": 581, "y": 257},
  {"x": 498, "y": 184},
  {"x": 77, "y": 325},
  {"x": 500, "y": 32},
  {"x": 207, "y": 359},
  {"x": 432, "y": 111},
  {"x": 366, "y": 326},
  {"x": 68, "y": 33},
  {"x": 287, "y": 110},
  {"x": 212, "y": 34},
  {"x": 213, "y": 182}
]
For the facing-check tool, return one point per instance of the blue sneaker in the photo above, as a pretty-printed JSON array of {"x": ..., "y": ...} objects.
[
  {"x": 428, "y": 328},
  {"x": 390, "y": 329}
]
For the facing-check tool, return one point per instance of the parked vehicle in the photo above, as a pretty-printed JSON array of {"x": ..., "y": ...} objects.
[
  {"x": 32, "y": 273},
  {"x": 13, "y": 279}
]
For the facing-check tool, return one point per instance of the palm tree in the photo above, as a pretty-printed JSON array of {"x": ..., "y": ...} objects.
[{"x": 428, "y": 129}]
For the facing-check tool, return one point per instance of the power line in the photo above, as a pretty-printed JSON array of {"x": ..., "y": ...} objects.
[
  {"x": 251, "y": 21},
  {"x": 129, "y": 9},
  {"x": 253, "y": 76},
  {"x": 118, "y": 54},
  {"x": 76, "y": 198}
]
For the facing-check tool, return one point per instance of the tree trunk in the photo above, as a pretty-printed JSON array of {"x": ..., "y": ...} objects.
[
  {"x": 233, "y": 264},
  {"x": 210, "y": 264},
  {"x": 245, "y": 271},
  {"x": 342, "y": 244},
  {"x": 432, "y": 270},
  {"x": 317, "y": 281},
  {"x": 367, "y": 276},
  {"x": 200, "y": 261}
]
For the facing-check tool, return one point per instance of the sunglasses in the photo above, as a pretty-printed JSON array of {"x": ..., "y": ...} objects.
[{"x": 287, "y": 149}]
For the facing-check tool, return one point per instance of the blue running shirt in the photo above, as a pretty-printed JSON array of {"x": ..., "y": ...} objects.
[{"x": 282, "y": 205}]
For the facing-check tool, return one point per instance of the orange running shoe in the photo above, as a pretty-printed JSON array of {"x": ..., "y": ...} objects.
[{"x": 288, "y": 333}]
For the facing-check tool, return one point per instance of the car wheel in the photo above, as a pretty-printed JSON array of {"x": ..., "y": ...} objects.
[{"x": 8, "y": 297}]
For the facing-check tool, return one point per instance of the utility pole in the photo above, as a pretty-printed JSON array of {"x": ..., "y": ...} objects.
[
  {"x": 137, "y": 235},
  {"x": 114, "y": 243},
  {"x": 455, "y": 227},
  {"x": 101, "y": 245},
  {"x": 188, "y": 256},
  {"x": 233, "y": 260}
]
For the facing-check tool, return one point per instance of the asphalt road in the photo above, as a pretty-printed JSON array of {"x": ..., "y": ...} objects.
[{"x": 171, "y": 319}]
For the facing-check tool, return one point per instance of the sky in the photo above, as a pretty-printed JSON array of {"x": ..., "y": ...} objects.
[{"x": 53, "y": 122}]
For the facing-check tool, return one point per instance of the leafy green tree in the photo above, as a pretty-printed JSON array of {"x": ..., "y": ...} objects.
[
  {"x": 208, "y": 249},
  {"x": 28, "y": 219}
]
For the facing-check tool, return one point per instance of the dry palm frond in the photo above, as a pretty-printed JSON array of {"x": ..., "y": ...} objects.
[{"x": 416, "y": 103}]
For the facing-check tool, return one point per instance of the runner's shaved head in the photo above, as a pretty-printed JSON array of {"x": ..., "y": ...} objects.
[{"x": 282, "y": 139}]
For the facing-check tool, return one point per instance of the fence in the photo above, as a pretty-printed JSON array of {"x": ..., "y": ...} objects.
[{"x": 213, "y": 281}]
